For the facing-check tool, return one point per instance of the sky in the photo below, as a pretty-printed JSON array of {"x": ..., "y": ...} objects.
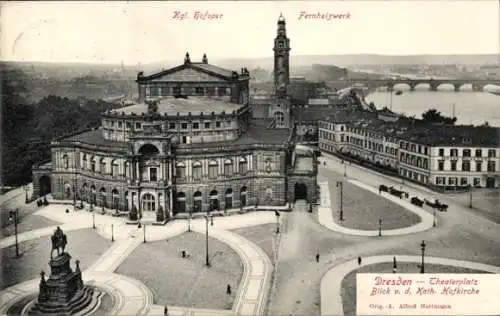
[{"x": 145, "y": 32}]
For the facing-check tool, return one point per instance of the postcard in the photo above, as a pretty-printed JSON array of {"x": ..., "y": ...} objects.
[{"x": 250, "y": 158}]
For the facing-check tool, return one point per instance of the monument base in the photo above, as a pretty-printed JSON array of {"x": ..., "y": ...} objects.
[
  {"x": 77, "y": 303},
  {"x": 63, "y": 293}
]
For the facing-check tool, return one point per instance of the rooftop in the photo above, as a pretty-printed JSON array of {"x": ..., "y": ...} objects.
[
  {"x": 257, "y": 134},
  {"x": 420, "y": 131},
  {"x": 172, "y": 106},
  {"x": 313, "y": 113},
  {"x": 304, "y": 164},
  {"x": 94, "y": 137},
  {"x": 204, "y": 67}
]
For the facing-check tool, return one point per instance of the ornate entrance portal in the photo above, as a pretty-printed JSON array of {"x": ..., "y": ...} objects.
[
  {"x": 300, "y": 191},
  {"x": 148, "y": 207},
  {"x": 148, "y": 203}
]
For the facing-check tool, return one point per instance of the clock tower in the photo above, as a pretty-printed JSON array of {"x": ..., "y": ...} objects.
[{"x": 280, "y": 108}]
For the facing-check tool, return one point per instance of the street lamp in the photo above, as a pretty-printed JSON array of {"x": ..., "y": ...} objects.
[
  {"x": 207, "y": 260},
  {"x": 339, "y": 184},
  {"x": 470, "y": 196},
  {"x": 144, "y": 230},
  {"x": 112, "y": 233},
  {"x": 422, "y": 245},
  {"x": 189, "y": 220},
  {"x": 26, "y": 194},
  {"x": 345, "y": 170},
  {"x": 277, "y": 214},
  {"x": 434, "y": 222},
  {"x": 14, "y": 215},
  {"x": 93, "y": 220},
  {"x": 380, "y": 227}
]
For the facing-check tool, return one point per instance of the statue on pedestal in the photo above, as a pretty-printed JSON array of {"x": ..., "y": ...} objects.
[
  {"x": 59, "y": 241},
  {"x": 63, "y": 293}
]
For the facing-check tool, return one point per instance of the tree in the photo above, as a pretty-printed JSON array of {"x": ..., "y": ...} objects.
[
  {"x": 27, "y": 129},
  {"x": 435, "y": 116}
]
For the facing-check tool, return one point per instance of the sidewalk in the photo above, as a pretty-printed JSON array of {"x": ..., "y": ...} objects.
[
  {"x": 132, "y": 296},
  {"x": 325, "y": 215},
  {"x": 121, "y": 231},
  {"x": 331, "y": 283},
  {"x": 256, "y": 281},
  {"x": 413, "y": 189},
  {"x": 4, "y": 198}
]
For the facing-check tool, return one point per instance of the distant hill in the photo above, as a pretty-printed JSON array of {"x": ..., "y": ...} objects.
[
  {"x": 365, "y": 59},
  {"x": 72, "y": 79},
  {"x": 83, "y": 69},
  {"x": 347, "y": 60}
]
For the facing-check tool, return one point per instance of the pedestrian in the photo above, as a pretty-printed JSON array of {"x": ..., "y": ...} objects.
[
  {"x": 165, "y": 310},
  {"x": 359, "y": 261},
  {"x": 228, "y": 290},
  {"x": 67, "y": 210},
  {"x": 317, "y": 257},
  {"x": 183, "y": 253},
  {"x": 139, "y": 225}
]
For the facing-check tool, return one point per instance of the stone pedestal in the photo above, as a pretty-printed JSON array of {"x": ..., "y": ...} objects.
[{"x": 63, "y": 293}]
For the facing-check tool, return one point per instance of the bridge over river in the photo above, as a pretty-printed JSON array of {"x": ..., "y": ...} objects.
[{"x": 477, "y": 84}]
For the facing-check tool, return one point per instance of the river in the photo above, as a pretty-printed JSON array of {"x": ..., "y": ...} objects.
[{"x": 469, "y": 107}]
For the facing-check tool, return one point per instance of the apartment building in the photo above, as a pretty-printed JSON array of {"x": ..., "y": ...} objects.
[{"x": 438, "y": 156}]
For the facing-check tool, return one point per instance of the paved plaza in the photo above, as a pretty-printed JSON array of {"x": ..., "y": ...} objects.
[{"x": 294, "y": 266}]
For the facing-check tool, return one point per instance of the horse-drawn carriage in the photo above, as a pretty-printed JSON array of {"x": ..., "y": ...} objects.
[
  {"x": 416, "y": 201},
  {"x": 392, "y": 190},
  {"x": 437, "y": 205}
]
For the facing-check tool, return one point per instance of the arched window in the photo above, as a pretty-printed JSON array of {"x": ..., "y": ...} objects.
[
  {"x": 214, "y": 200},
  {"x": 213, "y": 167},
  {"x": 84, "y": 161},
  {"x": 228, "y": 166},
  {"x": 242, "y": 166},
  {"x": 279, "y": 117},
  {"x": 93, "y": 195},
  {"x": 116, "y": 198},
  {"x": 67, "y": 191},
  {"x": 92, "y": 164},
  {"x": 114, "y": 168},
  {"x": 198, "y": 200},
  {"x": 102, "y": 193},
  {"x": 103, "y": 166},
  {"x": 126, "y": 167},
  {"x": 65, "y": 161},
  {"x": 197, "y": 170},
  {"x": 85, "y": 193},
  {"x": 243, "y": 196},
  {"x": 149, "y": 150},
  {"x": 180, "y": 170},
  {"x": 127, "y": 201},
  {"x": 181, "y": 202}
]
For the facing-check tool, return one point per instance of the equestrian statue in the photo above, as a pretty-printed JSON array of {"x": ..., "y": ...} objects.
[{"x": 59, "y": 241}]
